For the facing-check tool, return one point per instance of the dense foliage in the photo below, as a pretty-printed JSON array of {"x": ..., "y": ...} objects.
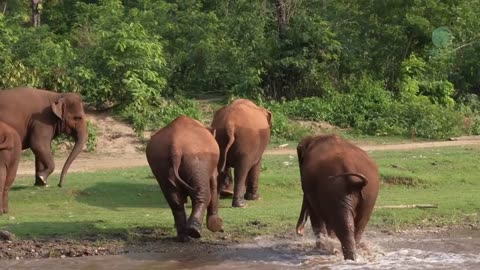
[{"x": 409, "y": 67}]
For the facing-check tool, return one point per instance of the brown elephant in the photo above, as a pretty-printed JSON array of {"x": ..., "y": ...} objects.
[
  {"x": 243, "y": 133},
  {"x": 340, "y": 187},
  {"x": 183, "y": 157},
  {"x": 38, "y": 116},
  {"x": 10, "y": 151}
]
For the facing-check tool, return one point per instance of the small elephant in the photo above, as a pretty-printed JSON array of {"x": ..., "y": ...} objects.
[
  {"x": 340, "y": 186},
  {"x": 183, "y": 157},
  {"x": 38, "y": 116},
  {"x": 10, "y": 151},
  {"x": 243, "y": 133}
]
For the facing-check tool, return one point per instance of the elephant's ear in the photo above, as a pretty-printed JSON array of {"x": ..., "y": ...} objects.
[
  {"x": 269, "y": 117},
  {"x": 301, "y": 147},
  {"x": 213, "y": 131},
  {"x": 58, "y": 108}
]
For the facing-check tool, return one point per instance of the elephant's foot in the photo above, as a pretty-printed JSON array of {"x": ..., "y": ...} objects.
[
  {"x": 194, "y": 229},
  {"x": 252, "y": 196},
  {"x": 239, "y": 202},
  {"x": 350, "y": 256},
  {"x": 40, "y": 181},
  {"x": 227, "y": 191},
  {"x": 215, "y": 223},
  {"x": 183, "y": 238}
]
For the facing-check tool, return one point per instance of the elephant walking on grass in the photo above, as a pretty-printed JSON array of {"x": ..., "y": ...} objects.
[
  {"x": 183, "y": 157},
  {"x": 38, "y": 116},
  {"x": 243, "y": 133},
  {"x": 340, "y": 187},
  {"x": 10, "y": 151}
]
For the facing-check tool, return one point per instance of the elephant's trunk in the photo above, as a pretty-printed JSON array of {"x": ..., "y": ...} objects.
[{"x": 80, "y": 140}]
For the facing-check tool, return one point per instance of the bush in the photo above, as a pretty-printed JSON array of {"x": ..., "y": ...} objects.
[{"x": 368, "y": 108}]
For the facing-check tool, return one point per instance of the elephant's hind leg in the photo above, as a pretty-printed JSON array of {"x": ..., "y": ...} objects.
[
  {"x": 252, "y": 182},
  {"x": 343, "y": 224},
  {"x": 200, "y": 201},
  {"x": 240, "y": 173},
  {"x": 214, "y": 221},
  {"x": 176, "y": 201}
]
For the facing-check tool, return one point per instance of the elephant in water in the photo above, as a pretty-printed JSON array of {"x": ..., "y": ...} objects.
[{"x": 340, "y": 186}]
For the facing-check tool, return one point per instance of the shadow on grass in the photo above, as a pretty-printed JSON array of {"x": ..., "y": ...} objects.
[{"x": 119, "y": 195}]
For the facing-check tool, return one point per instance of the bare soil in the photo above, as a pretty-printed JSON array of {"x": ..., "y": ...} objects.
[{"x": 119, "y": 147}]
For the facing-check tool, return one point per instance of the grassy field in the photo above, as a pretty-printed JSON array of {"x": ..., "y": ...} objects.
[{"x": 122, "y": 203}]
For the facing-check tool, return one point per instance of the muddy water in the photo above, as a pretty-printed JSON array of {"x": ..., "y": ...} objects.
[{"x": 410, "y": 250}]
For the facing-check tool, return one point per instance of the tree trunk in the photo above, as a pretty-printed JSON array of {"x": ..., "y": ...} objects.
[
  {"x": 281, "y": 17},
  {"x": 36, "y": 7}
]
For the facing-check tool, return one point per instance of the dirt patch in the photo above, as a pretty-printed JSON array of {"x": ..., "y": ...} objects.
[
  {"x": 115, "y": 136},
  {"x": 58, "y": 248},
  {"x": 402, "y": 181},
  {"x": 119, "y": 147},
  {"x": 319, "y": 127}
]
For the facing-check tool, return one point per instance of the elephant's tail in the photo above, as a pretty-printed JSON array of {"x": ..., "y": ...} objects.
[
  {"x": 363, "y": 180},
  {"x": 231, "y": 139},
  {"x": 302, "y": 219},
  {"x": 176, "y": 159}
]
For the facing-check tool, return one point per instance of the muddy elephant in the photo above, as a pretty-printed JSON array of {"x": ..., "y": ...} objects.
[
  {"x": 10, "y": 151},
  {"x": 243, "y": 133},
  {"x": 38, "y": 116},
  {"x": 340, "y": 186},
  {"x": 183, "y": 157}
]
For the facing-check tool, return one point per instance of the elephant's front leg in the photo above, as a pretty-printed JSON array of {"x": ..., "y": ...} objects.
[
  {"x": 44, "y": 164},
  {"x": 252, "y": 182},
  {"x": 226, "y": 183}
]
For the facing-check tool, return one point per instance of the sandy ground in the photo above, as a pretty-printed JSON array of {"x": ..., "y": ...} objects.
[{"x": 119, "y": 147}]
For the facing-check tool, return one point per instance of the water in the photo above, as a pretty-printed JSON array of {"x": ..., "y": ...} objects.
[{"x": 412, "y": 250}]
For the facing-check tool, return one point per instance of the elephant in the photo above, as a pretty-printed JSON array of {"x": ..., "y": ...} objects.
[
  {"x": 340, "y": 186},
  {"x": 10, "y": 151},
  {"x": 243, "y": 133},
  {"x": 183, "y": 157},
  {"x": 38, "y": 116}
]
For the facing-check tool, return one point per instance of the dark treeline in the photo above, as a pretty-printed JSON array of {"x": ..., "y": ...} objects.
[{"x": 396, "y": 66}]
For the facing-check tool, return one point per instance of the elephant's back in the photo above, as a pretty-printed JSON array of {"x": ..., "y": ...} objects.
[
  {"x": 241, "y": 114},
  {"x": 332, "y": 155},
  {"x": 184, "y": 135}
]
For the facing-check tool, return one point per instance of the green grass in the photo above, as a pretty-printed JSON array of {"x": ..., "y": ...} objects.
[{"x": 120, "y": 203}]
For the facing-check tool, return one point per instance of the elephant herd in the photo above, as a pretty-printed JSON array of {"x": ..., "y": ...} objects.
[{"x": 339, "y": 180}]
